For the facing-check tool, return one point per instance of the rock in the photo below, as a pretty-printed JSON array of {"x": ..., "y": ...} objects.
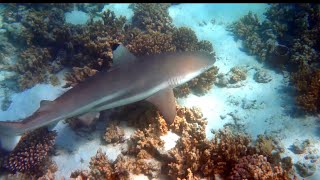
[
  {"x": 261, "y": 76},
  {"x": 304, "y": 169},
  {"x": 299, "y": 148}
]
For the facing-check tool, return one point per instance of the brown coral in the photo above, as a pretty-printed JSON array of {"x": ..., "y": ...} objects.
[
  {"x": 150, "y": 43},
  {"x": 185, "y": 39},
  {"x": 238, "y": 74},
  {"x": 100, "y": 166},
  {"x": 256, "y": 167},
  {"x": 78, "y": 75},
  {"x": 33, "y": 65},
  {"x": 307, "y": 84},
  {"x": 31, "y": 152},
  {"x": 114, "y": 134},
  {"x": 152, "y": 17}
]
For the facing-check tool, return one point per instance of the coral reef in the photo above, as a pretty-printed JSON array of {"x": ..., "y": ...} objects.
[
  {"x": 288, "y": 37},
  {"x": 257, "y": 40},
  {"x": 234, "y": 78},
  {"x": 305, "y": 169},
  {"x": 150, "y": 43},
  {"x": 194, "y": 156},
  {"x": 102, "y": 168},
  {"x": 31, "y": 153},
  {"x": 125, "y": 165},
  {"x": 262, "y": 76},
  {"x": 78, "y": 75},
  {"x": 238, "y": 74},
  {"x": 306, "y": 81},
  {"x": 33, "y": 61},
  {"x": 300, "y": 148},
  {"x": 256, "y": 167},
  {"x": 114, "y": 134},
  {"x": 142, "y": 115},
  {"x": 185, "y": 39},
  {"x": 152, "y": 17}
]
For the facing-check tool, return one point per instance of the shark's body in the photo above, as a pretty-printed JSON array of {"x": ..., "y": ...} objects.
[{"x": 150, "y": 78}]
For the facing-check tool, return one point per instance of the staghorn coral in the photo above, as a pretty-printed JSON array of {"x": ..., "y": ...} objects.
[
  {"x": 152, "y": 17},
  {"x": 31, "y": 153},
  {"x": 256, "y": 167},
  {"x": 114, "y": 134}
]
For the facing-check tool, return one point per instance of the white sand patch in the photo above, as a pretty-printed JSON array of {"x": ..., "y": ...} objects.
[{"x": 170, "y": 140}]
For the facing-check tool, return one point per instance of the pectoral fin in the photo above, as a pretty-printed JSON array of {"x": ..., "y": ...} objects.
[
  {"x": 165, "y": 102},
  {"x": 8, "y": 143}
]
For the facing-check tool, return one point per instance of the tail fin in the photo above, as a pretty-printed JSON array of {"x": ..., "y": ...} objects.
[{"x": 9, "y": 135}]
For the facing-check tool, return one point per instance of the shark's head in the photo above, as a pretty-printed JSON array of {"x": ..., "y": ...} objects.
[{"x": 189, "y": 65}]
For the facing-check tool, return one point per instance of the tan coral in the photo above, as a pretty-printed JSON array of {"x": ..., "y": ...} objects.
[
  {"x": 238, "y": 73},
  {"x": 256, "y": 167},
  {"x": 78, "y": 75},
  {"x": 114, "y": 134}
]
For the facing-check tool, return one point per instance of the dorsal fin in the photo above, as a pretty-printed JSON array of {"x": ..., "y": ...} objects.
[
  {"x": 122, "y": 55},
  {"x": 165, "y": 102},
  {"x": 44, "y": 104}
]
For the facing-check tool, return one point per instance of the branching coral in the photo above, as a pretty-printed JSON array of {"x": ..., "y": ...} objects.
[
  {"x": 31, "y": 152},
  {"x": 78, "y": 75},
  {"x": 238, "y": 74},
  {"x": 152, "y": 17},
  {"x": 142, "y": 115},
  {"x": 33, "y": 67},
  {"x": 100, "y": 167},
  {"x": 150, "y": 43},
  {"x": 307, "y": 84},
  {"x": 114, "y": 134},
  {"x": 256, "y": 38},
  {"x": 125, "y": 165},
  {"x": 257, "y": 167},
  {"x": 185, "y": 39}
]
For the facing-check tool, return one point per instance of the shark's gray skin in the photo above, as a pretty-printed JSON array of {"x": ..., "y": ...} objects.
[{"x": 149, "y": 78}]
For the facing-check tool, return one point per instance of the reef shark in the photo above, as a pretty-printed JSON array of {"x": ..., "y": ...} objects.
[{"x": 131, "y": 79}]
